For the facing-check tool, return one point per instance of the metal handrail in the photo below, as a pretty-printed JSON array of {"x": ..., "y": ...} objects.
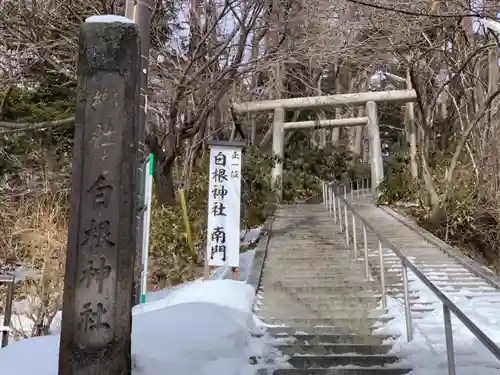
[
  {"x": 333, "y": 200},
  {"x": 471, "y": 265}
]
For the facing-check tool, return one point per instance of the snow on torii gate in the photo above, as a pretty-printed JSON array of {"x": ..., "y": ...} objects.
[{"x": 369, "y": 99}]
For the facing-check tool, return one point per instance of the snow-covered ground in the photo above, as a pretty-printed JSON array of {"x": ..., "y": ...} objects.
[
  {"x": 426, "y": 354},
  {"x": 198, "y": 328},
  {"x": 171, "y": 330},
  {"x": 248, "y": 238},
  {"x": 22, "y": 323},
  {"x": 203, "y": 328},
  {"x": 220, "y": 273}
]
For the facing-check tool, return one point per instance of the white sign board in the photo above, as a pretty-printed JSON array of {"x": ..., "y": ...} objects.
[{"x": 223, "y": 232}]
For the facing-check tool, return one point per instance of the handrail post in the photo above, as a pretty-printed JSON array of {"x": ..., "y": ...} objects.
[
  {"x": 382, "y": 275},
  {"x": 8, "y": 312},
  {"x": 448, "y": 331},
  {"x": 339, "y": 212},
  {"x": 329, "y": 191},
  {"x": 346, "y": 224},
  {"x": 409, "y": 323},
  {"x": 341, "y": 223},
  {"x": 365, "y": 246},
  {"x": 324, "y": 194},
  {"x": 354, "y": 239},
  {"x": 332, "y": 192},
  {"x": 334, "y": 202}
]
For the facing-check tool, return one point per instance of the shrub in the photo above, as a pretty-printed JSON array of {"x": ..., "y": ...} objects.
[
  {"x": 33, "y": 233},
  {"x": 398, "y": 184},
  {"x": 305, "y": 170},
  {"x": 171, "y": 260}
]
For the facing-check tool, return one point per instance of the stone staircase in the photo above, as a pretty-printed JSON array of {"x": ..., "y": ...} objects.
[{"x": 322, "y": 308}]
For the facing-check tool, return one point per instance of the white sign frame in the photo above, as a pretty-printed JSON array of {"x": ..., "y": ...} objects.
[{"x": 224, "y": 204}]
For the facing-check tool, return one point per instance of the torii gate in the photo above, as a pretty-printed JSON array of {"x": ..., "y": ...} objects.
[{"x": 369, "y": 99}]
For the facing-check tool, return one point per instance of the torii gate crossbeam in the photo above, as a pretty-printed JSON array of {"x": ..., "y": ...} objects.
[
  {"x": 361, "y": 98},
  {"x": 369, "y": 99}
]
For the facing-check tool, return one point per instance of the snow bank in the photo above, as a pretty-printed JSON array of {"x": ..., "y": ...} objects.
[
  {"x": 21, "y": 322},
  {"x": 203, "y": 328},
  {"x": 224, "y": 273},
  {"x": 22, "y": 309},
  {"x": 248, "y": 238},
  {"x": 108, "y": 18}
]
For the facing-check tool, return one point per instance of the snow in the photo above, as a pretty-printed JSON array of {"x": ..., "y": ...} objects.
[
  {"x": 200, "y": 328},
  {"x": 203, "y": 328},
  {"x": 108, "y": 18},
  {"x": 20, "y": 272},
  {"x": 426, "y": 353},
  {"x": 246, "y": 260},
  {"x": 248, "y": 238},
  {"x": 22, "y": 324}
]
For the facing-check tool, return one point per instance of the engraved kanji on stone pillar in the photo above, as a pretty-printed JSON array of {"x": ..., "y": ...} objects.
[{"x": 97, "y": 309}]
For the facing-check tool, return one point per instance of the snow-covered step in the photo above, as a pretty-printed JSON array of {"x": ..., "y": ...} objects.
[
  {"x": 329, "y": 349},
  {"x": 351, "y": 370},
  {"x": 331, "y": 360},
  {"x": 322, "y": 350},
  {"x": 326, "y": 334},
  {"x": 476, "y": 294},
  {"x": 320, "y": 308}
]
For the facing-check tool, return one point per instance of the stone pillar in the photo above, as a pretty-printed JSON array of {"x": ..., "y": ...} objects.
[
  {"x": 376, "y": 163},
  {"x": 98, "y": 285}
]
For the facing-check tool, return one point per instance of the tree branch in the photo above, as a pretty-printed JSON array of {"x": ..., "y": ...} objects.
[{"x": 36, "y": 125}]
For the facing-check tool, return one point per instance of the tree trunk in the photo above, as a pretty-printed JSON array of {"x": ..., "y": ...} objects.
[{"x": 164, "y": 181}]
